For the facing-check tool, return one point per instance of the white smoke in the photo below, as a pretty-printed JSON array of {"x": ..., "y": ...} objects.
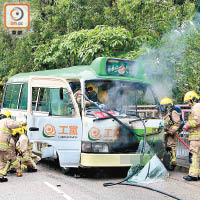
[{"x": 159, "y": 63}]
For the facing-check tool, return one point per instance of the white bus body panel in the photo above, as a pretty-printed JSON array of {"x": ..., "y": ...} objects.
[{"x": 62, "y": 135}]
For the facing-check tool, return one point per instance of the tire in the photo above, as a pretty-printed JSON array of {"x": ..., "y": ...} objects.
[
  {"x": 65, "y": 170},
  {"x": 167, "y": 161}
]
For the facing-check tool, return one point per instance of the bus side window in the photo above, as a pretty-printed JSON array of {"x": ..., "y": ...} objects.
[
  {"x": 43, "y": 100},
  {"x": 24, "y": 97},
  {"x": 49, "y": 101},
  {"x": 11, "y": 96},
  {"x": 34, "y": 97}
]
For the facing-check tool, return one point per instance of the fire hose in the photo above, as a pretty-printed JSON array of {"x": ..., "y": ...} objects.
[
  {"x": 136, "y": 185},
  {"x": 186, "y": 145}
]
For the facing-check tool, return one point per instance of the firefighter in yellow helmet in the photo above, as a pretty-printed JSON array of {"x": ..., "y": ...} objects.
[
  {"x": 14, "y": 162},
  {"x": 193, "y": 127},
  {"x": 6, "y": 126},
  {"x": 24, "y": 147},
  {"x": 91, "y": 92},
  {"x": 172, "y": 123}
]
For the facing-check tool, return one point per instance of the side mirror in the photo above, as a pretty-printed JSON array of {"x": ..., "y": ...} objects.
[{"x": 61, "y": 93}]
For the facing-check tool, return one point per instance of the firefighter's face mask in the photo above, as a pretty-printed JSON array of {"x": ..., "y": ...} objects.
[
  {"x": 190, "y": 103},
  {"x": 89, "y": 90},
  {"x": 163, "y": 108}
]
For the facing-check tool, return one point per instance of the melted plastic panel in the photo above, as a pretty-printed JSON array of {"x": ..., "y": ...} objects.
[{"x": 153, "y": 171}]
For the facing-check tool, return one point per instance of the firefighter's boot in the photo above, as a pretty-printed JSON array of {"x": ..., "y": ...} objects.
[
  {"x": 30, "y": 167},
  {"x": 3, "y": 179},
  {"x": 19, "y": 172},
  {"x": 190, "y": 178},
  {"x": 173, "y": 153}
]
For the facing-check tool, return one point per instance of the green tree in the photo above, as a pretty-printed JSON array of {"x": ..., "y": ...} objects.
[{"x": 81, "y": 47}]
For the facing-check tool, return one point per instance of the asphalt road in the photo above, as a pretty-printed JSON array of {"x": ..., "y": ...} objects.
[{"x": 49, "y": 183}]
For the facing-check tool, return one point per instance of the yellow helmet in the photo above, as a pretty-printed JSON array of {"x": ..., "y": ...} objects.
[
  {"x": 6, "y": 113},
  {"x": 191, "y": 96},
  {"x": 19, "y": 131},
  {"x": 165, "y": 104},
  {"x": 16, "y": 131},
  {"x": 166, "y": 101}
]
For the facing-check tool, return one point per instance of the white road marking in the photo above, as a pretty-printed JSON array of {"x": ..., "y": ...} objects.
[{"x": 58, "y": 191}]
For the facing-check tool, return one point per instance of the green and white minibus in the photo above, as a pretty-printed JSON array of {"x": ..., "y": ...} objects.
[{"x": 87, "y": 116}]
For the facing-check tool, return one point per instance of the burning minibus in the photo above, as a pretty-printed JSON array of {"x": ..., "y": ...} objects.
[{"x": 88, "y": 116}]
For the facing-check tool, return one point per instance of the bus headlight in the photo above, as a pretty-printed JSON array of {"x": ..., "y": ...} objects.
[
  {"x": 90, "y": 147},
  {"x": 100, "y": 147},
  {"x": 86, "y": 147}
]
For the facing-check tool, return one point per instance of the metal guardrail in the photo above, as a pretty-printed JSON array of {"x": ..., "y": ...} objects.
[
  {"x": 181, "y": 150},
  {"x": 152, "y": 111}
]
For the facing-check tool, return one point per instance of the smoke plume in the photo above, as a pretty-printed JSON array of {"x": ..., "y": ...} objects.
[{"x": 160, "y": 63}]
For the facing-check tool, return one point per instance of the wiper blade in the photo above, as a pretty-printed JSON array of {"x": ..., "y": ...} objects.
[
  {"x": 112, "y": 116},
  {"x": 97, "y": 119}
]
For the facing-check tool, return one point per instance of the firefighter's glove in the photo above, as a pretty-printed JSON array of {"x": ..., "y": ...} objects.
[
  {"x": 165, "y": 129},
  {"x": 190, "y": 157},
  {"x": 24, "y": 123},
  {"x": 170, "y": 131},
  {"x": 24, "y": 129},
  {"x": 186, "y": 127},
  {"x": 19, "y": 151}
]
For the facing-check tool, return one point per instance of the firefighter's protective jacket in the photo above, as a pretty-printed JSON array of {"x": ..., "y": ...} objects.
[
  {"x": 172, "y": 121},
  {"x": 194, "y": 122},
  {"x": 6, "y": 126},
  {"x": 24, "y": 144}
]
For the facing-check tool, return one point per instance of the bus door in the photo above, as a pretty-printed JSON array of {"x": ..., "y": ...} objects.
[{"x": 53, "y": 118}]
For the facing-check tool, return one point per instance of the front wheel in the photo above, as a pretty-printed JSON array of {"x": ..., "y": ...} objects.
[
  {"x": 65, "y": 170},
  {"x": 167, "y": 161}
]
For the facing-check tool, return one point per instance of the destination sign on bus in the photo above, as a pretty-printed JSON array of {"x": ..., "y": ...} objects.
[{"x": 121, "y": 67}]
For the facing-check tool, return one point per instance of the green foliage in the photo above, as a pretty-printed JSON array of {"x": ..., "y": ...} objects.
[
  {"x": 188, "y": 69},
  {"x": 82, "y": 47},
  {"x": 150, "y": 18}
]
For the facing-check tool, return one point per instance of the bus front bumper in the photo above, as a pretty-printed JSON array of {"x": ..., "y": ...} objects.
[{"x": 110, "y": 160}]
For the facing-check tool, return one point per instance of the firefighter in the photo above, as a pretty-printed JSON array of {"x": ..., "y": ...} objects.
[
  {"x": 34, "y": 157},
  {"x": 193, "y": 127},
  {"x": 91, "y": 93},
  {"x": 172, "y": 123},
  {"x": 24, "y": 147},
  {"x": 14, "y": 162},
  {"x": 6, "y": 126}
]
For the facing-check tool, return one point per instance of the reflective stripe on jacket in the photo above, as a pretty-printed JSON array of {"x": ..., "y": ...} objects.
[
  {"x": 6, "y": 126},
  {"x": 194, "y": 122}
]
